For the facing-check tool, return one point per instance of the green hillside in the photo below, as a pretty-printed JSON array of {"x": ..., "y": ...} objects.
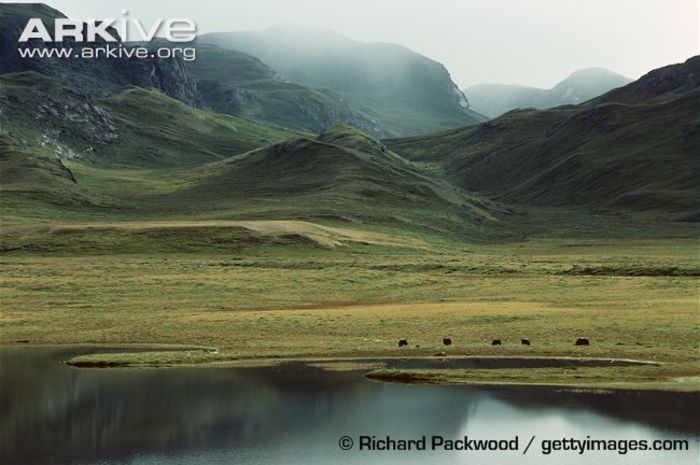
[
  {"x": 138, "y": 155},
  {"x": 661, "y": 84},
  {"x": 599, "y": 155},
  {"x": 130, "y": 127},
  {"x": 238, "y": 84},
  {"x": 342, "y": 175}
]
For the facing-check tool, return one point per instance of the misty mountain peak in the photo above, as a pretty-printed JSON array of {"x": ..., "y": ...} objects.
[
  {"x": 581, "y": 85},
  {"x": 402, "y": 91}
]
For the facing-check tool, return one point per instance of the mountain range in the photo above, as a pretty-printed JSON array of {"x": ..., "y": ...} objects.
[
  {"x": 253, "y": 138},
  {"x": 493, "y": 100},
  {"x": 633, "y": 148},
  {"x": 401, "y": 91}
]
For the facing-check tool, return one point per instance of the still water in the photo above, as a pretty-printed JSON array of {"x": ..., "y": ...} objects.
[{"x": 293, "y": 414}]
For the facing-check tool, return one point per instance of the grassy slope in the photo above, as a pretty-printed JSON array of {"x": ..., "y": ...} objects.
[
  {"x": 661, "y": 84},
  {"x": 341, "y": 177},
  {"x": 238, "y": 84},
  {"x": 611, "y": 155},
  {"x": 120, "y": 150},
  {"x": 133, "y": 126},
  {"x": 350, "y": 180},
  {"x": 165, "y": 132},
  {"x": 113, "y": 151}
]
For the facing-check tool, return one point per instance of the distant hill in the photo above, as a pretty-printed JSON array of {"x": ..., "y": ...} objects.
[
  {"x": 401, "y": 91},
  {"x": 662, "y": 84},
  {"x": 342, "y": 174},
  {"x": 131, "y": 127},
  {"x": 640, "y": 154},
  {"x": 495, "y": 99},
  {"x": 239, "y": 84}
]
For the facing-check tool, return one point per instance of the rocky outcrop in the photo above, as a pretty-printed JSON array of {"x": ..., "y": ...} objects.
[
  {"x": 169, "y": 75},
  {"x": 73, "y": 125}
]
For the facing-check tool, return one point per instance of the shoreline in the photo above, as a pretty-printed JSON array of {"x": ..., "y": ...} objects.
[{"x": 495, "y": 370}]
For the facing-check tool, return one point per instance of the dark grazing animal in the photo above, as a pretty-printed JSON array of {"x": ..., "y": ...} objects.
[
  {"x": 403, "y": 342},
  {"x": 583, "y": 341},
  {"x": 525, "y": 341},
  {"x": 496, "y": 342},
  {"x": 447, "y": 341}
]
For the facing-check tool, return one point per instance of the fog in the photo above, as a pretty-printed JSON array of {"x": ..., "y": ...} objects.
[{"x": 529, "y": 42}]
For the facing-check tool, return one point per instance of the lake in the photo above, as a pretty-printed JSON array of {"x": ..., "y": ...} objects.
[{"x": 294, "y": 414}]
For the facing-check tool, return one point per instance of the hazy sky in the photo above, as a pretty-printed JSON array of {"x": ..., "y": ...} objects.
[{"x": 531, "y": 42}]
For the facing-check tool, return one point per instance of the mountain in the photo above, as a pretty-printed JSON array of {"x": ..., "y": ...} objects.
[
  {"x": 239, "y": 84},
  {"x": 495, "y": 99},
  {"x": 130, "y": 127},
  {"x": 633, "y": 148},
  {"x": 401, "y": 91},
  {"x": 97, "y": 76},
  {"x": 662, "y": 84},
  {"x": 93, "y": 141},
  {"x": 342, "y": 174},
  {"x": 64, "y": 153}
]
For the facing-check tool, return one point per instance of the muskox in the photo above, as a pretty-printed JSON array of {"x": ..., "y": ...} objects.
[
  {"x": 582, "y": 341},
  {"x": 525, "y": 341},
  {"x": 403, "y": 342},
  {"x": 496, "y": 342},
  {"x": 447, "y": 341}
]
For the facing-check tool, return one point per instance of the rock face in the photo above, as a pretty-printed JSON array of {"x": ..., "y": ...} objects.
[
  {"x": 95, "y": 76},
  {"x": 169, "y": 75},
  {"x": 72, "y": 124},
  {"x": 402, "y": 91}
]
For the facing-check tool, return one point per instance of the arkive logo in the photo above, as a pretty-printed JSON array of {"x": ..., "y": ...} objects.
[
  {"x": 106, "y": 38},
  {"x": 174, "y": 29}
]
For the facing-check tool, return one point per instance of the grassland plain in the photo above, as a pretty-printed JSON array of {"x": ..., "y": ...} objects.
[{"x": 273, "y": 299}]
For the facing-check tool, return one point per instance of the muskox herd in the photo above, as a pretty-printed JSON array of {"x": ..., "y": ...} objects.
[{"x": 582, "y": 341}]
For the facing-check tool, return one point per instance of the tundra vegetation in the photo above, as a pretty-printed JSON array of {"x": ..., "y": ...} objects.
[{"x": 133, "y": 214}]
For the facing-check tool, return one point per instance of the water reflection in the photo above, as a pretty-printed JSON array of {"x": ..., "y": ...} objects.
[{"x": 53, "y": 414}]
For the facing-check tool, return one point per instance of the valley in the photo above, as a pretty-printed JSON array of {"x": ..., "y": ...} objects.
[{"x": 277, "y": 212}]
